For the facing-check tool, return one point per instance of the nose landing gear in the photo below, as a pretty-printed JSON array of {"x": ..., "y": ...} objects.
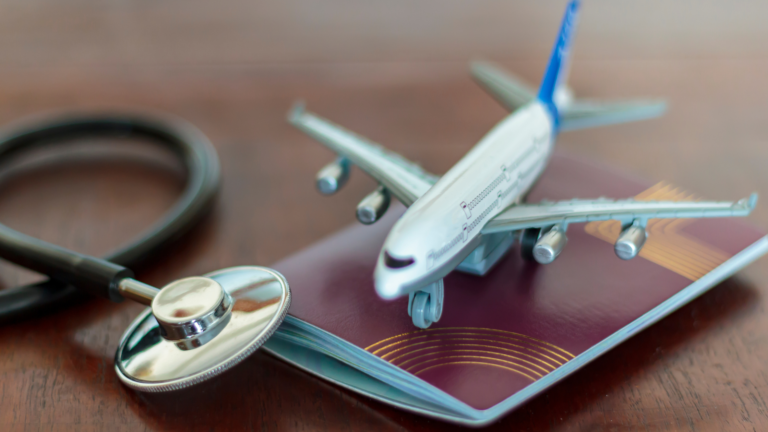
[{"x": 426, "y": 305}]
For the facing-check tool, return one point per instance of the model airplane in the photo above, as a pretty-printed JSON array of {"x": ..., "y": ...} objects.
[{"x": 468, "y": 219}]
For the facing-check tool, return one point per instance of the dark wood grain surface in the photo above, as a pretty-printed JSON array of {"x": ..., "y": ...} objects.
[{"x": 396, "y": 72}]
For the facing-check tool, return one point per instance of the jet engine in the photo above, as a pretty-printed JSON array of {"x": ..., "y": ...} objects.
[
  {"x": 549, "y": 245},
  {"x": 373, "y": 206},
  {"x": 332, "y": 176},
  {"x": 630, "y": 241}
]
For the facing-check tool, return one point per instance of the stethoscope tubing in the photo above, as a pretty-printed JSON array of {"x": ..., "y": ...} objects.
[{"x": 98, "y": 275}]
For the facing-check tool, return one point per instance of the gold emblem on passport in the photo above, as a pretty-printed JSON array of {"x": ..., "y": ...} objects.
[
  {"x": 422, "y": 350},
  {"x": 667, "y": 245}
]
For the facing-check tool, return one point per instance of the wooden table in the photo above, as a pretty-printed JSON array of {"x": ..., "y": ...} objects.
[{"x": 396, "y": 72}]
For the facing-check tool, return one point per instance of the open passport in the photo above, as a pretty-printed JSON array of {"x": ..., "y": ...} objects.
[{"x": 505, "y": 337}]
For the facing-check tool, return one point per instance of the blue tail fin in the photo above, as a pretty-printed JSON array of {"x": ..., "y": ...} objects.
[{"x": 557, "y": 69}]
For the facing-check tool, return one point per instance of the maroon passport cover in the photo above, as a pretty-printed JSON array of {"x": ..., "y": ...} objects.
[{"x": 521, "y": 322}]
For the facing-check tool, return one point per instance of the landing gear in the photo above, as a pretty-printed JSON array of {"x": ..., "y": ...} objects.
[
  {"x": 426, "y": 305},
  {"x": 528, "y": 241}
]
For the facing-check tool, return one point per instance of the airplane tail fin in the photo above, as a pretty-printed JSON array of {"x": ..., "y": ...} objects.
[
  {"x": 557, "y": 69},
  {"x": 568, "y": 112}
]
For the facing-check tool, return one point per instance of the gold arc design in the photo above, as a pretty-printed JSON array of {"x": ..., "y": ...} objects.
[
  {"x": 690, "y": 245},
  {"x": 682, "y": 260},
  {"x": 479, "y": 363},
  {"x": 669, "y": 230},
  {"x": 489, "y": 339},
  {"x": 473, "y": 351},
  {"x": 559, "y": 363},
  {"x": 686, "y": 245},
  {"x": 476, "y": 357},
  {"x": 663, "y": 247},
  {"x": 667, "y": 246},
  {"x": 474, "y": 345},
  {"x": 466, "y": 328},
  {"x": 655, "y": 250}
]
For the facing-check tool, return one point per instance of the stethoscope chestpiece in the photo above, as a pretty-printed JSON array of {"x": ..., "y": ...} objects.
[
  {"x": 199, "y": 327},
  {"x": 192, "y": 311}
]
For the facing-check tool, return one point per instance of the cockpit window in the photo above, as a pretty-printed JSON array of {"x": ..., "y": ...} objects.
[{"x": 396, "y": 263}]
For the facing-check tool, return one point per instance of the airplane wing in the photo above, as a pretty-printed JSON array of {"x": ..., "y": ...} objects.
[
  {"x": 577, "y": 211},
  {"x": 512, "y": 93},
  {"x": 582, "y": 114},
  {"x": 509, "y": 91},
  {"x": 405, "y": 180}
]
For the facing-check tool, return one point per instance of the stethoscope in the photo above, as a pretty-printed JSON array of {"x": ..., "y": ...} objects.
[{"x": 196, "y": 327}]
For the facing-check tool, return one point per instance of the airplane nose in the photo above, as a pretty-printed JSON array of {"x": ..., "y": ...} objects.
[{"x": 387, "y": 286}]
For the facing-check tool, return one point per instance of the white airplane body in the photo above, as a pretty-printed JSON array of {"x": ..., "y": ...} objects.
[
  {"x": 468, "y": 219},
  {"x": 444, "y": 226}
]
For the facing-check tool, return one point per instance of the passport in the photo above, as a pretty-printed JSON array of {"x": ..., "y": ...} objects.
[{"x": 507, "y": 336}]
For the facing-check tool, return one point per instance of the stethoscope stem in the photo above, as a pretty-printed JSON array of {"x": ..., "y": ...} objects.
[{"x": 137, "y": 291}]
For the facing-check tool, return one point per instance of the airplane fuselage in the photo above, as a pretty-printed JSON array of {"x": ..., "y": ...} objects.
[{"x": 444, "y": 226}]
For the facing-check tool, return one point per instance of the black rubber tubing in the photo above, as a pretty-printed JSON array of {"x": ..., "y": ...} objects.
[{"x": 71, "y": 271}]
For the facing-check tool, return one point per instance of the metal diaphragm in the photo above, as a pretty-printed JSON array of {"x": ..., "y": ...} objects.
[{"x": 148, "y": 361}]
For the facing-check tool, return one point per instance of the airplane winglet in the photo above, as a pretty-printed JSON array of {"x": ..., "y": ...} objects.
[
  {"x": 296, "y": 111},
  {"x": 752, "y": 201},
  {"x": 747, "y": 204}
]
